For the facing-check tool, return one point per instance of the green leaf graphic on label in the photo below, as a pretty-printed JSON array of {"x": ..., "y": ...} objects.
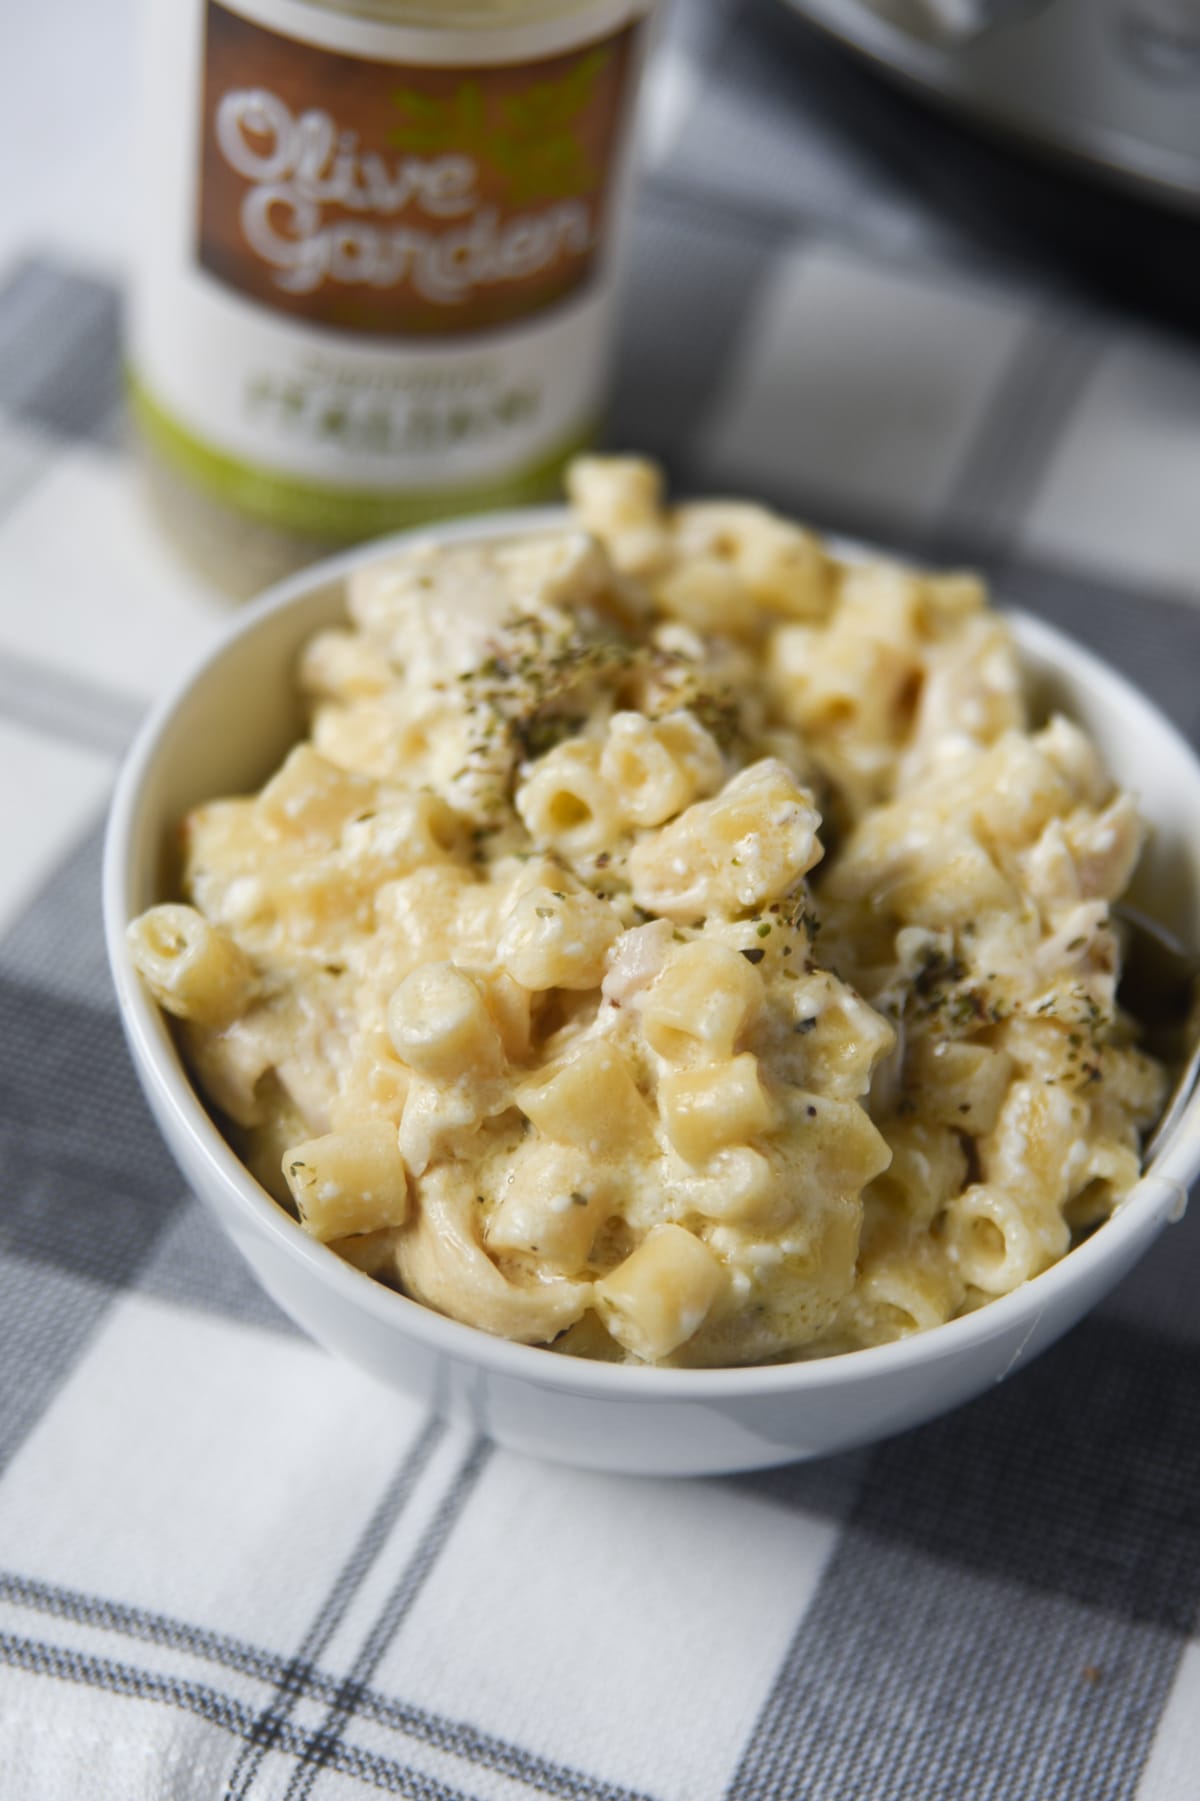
[
  {"x": 529, "y": 137},
  {"x": 436, "y": 126}
]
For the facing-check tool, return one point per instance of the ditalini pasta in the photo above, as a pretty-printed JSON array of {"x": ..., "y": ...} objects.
[{"x": 672, "y": 943}]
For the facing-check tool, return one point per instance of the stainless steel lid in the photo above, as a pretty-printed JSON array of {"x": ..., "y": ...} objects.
[{"x": 1115, "y": 83}]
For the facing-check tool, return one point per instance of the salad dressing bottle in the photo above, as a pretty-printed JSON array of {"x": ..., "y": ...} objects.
[{"x": 377, "y": 261}]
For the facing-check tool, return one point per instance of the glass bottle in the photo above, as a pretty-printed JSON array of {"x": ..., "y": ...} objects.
[{"x": 377, "y": 261}]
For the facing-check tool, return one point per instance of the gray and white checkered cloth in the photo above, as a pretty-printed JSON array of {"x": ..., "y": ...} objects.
[{"x": 230, "y": 1567}]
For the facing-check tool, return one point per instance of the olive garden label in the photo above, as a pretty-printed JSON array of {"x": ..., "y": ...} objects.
[
  {"x": 385, "y": 199},
  {"x": 378, "y": 262}
]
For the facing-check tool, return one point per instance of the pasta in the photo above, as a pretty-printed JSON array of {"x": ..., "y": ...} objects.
[{"x": 673, "y": 943}]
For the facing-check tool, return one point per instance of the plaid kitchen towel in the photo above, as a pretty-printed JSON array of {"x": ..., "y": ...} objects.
[{"x": 231, "y": 1567}]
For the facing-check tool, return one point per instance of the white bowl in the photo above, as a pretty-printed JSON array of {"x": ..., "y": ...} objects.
[{"x": 227, "y": 727}]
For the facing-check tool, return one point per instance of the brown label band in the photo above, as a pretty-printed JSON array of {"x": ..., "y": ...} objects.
[{"x": 378, "y": 198}]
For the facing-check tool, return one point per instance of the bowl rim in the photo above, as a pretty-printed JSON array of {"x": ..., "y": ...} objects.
[{"x": 1159, "y": 1195}]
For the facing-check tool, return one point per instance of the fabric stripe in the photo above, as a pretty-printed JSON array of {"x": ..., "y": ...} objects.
[
  {"x": 1021, "y": 1573},
  {"x": 77, "y": 1145},
  {"x": 1001, "y": 474},
  {"x": 61, "y": 706},
  {"x": 87, "y": 1189},
  {"x": 1153, "y": 641},
  {"x": 25, "y": 456},
  {"x": 451, "y": 1737},
  {"x": 217, "y": 1709},
  {"x": 269, "y": 1726},
  {"x": 390, "y": 1620},
  {"x": 756, "y": 219},
  {"x": 194, "y": 1264},
  {"x": 911, "y": 1677},
  {"x": 670, "y": 348},
  {"x": 60, "y": 351},
  {"x": 1077, "y": 1478},
  {"x": 46, "y": 1325},
  {"x": 698, "y": 28},
  {"x": 103, "y": 1615},
  {"x": 828, "y": 1487},
  {"x": 763, "y": 137},
  {"x": 56, "y": 946},
  {"x": 1171, "y": 1768}
]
